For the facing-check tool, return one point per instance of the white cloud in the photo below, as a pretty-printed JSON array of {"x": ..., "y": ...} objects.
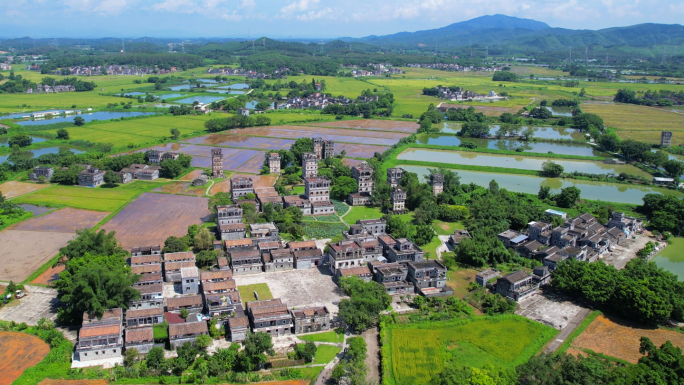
[{"x": 315, "y": 15}]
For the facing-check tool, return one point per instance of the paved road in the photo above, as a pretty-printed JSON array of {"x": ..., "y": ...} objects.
[{"x": 566, "y": 331}]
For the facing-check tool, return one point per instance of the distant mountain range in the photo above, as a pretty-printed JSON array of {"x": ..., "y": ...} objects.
[{"x": 529, "y": 34}]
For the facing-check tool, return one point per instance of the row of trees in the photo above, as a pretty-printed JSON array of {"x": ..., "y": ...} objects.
[{"x": 237, "y": 121}]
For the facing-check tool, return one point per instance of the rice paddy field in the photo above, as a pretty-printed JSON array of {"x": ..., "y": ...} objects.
[
  {"x": 65, "y": 220},
  {"x": 86, "y": 198},
  {"x": 373, "y": 125},
  {"x": 241, "y": 141},
  {"x": 337, "y": 135},
  {"x": 415, "y": 352},
  {"x": 639, "y": 122}
]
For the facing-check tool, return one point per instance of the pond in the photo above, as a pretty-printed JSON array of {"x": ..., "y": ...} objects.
[
  {"x": 166, "y": 105},
  {"x": 89, "y": 117},
  {"x": 671, "y": 258},
  {"x": 204, "y": 80},
  {"x": 512, "y": 145},
  {"x": 237, "y": 86},
  {"x": 610, "y": 192},
  {"x": 36, "y": 210},
  {"x": 30, "y": 154},
  {"x": 4, "y": 140},
  {"x": 230, "y": 92},
  {"x": 252, "y": 105},
  {"x": 539, "y": 132},
  {"x": 518, "y": 162},
  {"x": 560, "y": 111},
  {"x": 21, "y": 115},
  {"x": 202, "y": 99},
  {"x": 178, "y": 88}
]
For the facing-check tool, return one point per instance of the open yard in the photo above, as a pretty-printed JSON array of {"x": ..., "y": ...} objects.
[
  {"x": 261, "y": 289},
  {"x": 620, "y": 339},
  {"x": 151, "y": 218},
  {"x": 12, "y": 189},
  {"x": 297, "y": 288},
  {"x": 19, "y": 352},
  {"x": 66, "y": 220},
  {"x": 98, "y": 199},
  {"x": 23, "y": 252},
  {"x": 419, "y": 350}
]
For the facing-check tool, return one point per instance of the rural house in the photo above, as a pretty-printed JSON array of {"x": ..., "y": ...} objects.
[
  {"x": 193, "y": 304},
  {"x": 100, "y": 337},
  {"x": 146, "y": 250},
  {"x": 246, "y": 261},
  {"x": 140, "y": 339},
  {"x": 144, "y": 317},
  {"x": 311, "y": 319},
  {"x": 241, "y": 186},
  {"x": 429, "y": 278},
  {"x": 91, "y": 177},
  {"x": 150, "y": 296},
  {"x": 393, "y": 277},
  {"x": 270, "y": 316},
  {"x": 362, "y": 272},
  {"x": 179, "y": 334}
]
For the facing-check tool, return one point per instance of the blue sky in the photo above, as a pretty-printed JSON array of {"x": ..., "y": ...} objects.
[{"x": 306, "y": 18}]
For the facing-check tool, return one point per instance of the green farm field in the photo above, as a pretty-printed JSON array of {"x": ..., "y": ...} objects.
[
  {"x": 417, "y": 351},
  {"x": 98, "y": 198},
  {"x": 138, "y": 131},
  {"x": 640, "y": 122}
]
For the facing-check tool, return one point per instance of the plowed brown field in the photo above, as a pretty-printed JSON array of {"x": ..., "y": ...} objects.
[
  {"x": 13, "y": 188},
  {"x": 621, "y": 340},
  {"x": 19, "y": 352}
]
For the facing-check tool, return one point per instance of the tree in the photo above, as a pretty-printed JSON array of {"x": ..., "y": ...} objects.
[
  {"x": 257, "y": 346},
  {"x": 219, "y": 199},
  {"x": 184, "y": 313},
  {"x": 155, "y": 357},
  {"x": 174, "y": 244},
  {"x": 20, "y": 140},
  {"x": 568, "y": 197},
  {"x": 62, "y": 134},
  {"x": 206, "y": 258},
  {"x": 67, "y": 176},
  {"x": 112, "y": 178},
  {"x": 171, "y": 168},
  {"x": 583, "y": 121},
  {"x": 544, "y": 192},
  {"x": 424, "y": 235},
  {"x": 367, "y": 300},
  {"x": 88, "y": 241},
  {"x": 93, "y": 284},
  {"x": 130, "y": 356},
  {"x": 203, "y": 341},
  {"x": 541, "y": 113},
  {"x": 343, "y": 186},
  {"x": 306, "y": 351},
  {"x": 204, "y": 240},
  {"x": 610, "y": 142},
  {"x": 474, "y": 129},
  {"x": 552, "y": 169},
  {"x": 674, "y": 168},
  {"x": 79, "y": 121},
  {"x": 175, "y": 133}
]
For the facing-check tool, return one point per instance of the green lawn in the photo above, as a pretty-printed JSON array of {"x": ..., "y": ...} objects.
[
  {"x": 323, "y": 337},
  {"x": 98, "y": 198},
  {"x": 311, "y": 374},
  {"x": 362, "y": 212},
  {"x": 418, "y": 351},
  {"x": 247, "y": 292},
  {"x": 447, "y": 228},
  {"x": 325, "y": 354}
]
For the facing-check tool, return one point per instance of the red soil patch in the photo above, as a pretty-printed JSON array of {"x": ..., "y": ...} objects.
[
  {"x": 621, "y": 340},
  {"x": 19, "y": 352},
  {"x": 220, "y": 187},
  {"x": 152, "y": 218},
  {"x": 49, "y": 276},
  {"x": 48, "y": 381},
  {"x": 66, "y": 220},
  {"x": 13, "y": 188},
  {"x": 180, "y": 188},
  {"x": 192, "y": 175}
]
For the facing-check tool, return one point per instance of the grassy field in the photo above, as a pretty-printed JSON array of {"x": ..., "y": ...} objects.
[
  {"x": 325, "y": 354},
  {"x": 459, "y": 280},
  {"x": 640, "y": 122},
  {"x": 98, "y": 199},
  {"x": 247, "y": 292},
  {"x": 323, "y": 337},
  {"x": 447, "y": 228},
  {"x": 138, "y": 131},
  {"x": 362, "y": 212},
  {"x": 417, "y": 351}
]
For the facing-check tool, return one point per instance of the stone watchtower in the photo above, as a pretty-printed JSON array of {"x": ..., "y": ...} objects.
[
  {"x": 665, "y": 139},
  {"x": 328, "y": 149},
  {"x": 394, "y": 176},
  {"x": 217, "y": 163},
  {"x": 363, "y": 173},
  {"x": 318, "y": 147},
  {"x": 398, "y": 200},
  {"x": 309, "y": 165},
  {"x": 274, "y": 162},
  {"x": 437, "y": 182}
]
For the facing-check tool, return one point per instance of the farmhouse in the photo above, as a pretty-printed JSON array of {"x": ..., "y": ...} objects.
[
  {"x": 141, "y": 171},
  {"x": 100, "y": 338},
  {"x": 189, "y": 280},
  {"x": 172, "y": 270},
  {"x": 260, "y": 232},
  {"x": 221, "y": 304},
  {"x": 303, "y": 204},
  {"x": 193, "y": 304},
  {"x": 279, "y": 260},
  {"x": 156, "y": 157},
  {"x": 42, "y": 171},
  {"x": 141, "y": 260},
  {"x": 458, "y": 235},
  {"x": 228, "y": 215},
  {"x": 400, "y": 250},
  {"x": 344, "y": 254},
  {"x": 181, "y": 333},
  {"x": 149, "y": 279},
  {"x": 311, "y": 319},
  {"x": 141, "y": 339},
  {"x": 238, "y": 326},
  {"x": 146, "y": 250},
  {"x": 520, "y": 284},
  {"x": 393, "y": 277},
  {"x": 269, "y": 316},
  {"x": 149, "y": 268},
  {"x": 246, "y": 261},
  {"x": 306, "y": 259},
  {"x": 91, "y": 177},
  {"x": 144, "y": 317},
  {"x": 233, "y": 231},
  {"x": 150, "y": 296},
  {"x": 362, "y": 272},
  {"x": 428, "y": 276},
  {"x": 483, "y": 277}
]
